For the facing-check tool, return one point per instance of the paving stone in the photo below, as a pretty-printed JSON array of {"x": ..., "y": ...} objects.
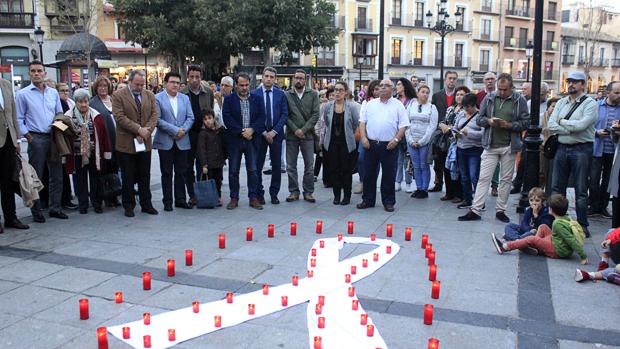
[
  {"x": 31, "y": 333},
  {"x": 180, "y": 296},
  {"x": 129, "y": 285},
  {"x": 28, "y": 300},
  {"x": 234, "y": 269},
  {"x": 44, "y": 243},
  {"x": 4, "y": 261},
  {"x": 578, "y": 345},
  {"x": 74, "y": 279},
  {"x": 7, "y": 319},
  {"x": 6, "y": 286},
  {"x": 88, "y": 248},
  {"x": 28, "y": 271}
]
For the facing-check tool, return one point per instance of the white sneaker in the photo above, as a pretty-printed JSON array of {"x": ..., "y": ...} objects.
[
  {"x": 398, "y": 188},
  {"x": 409, "y": 187}
]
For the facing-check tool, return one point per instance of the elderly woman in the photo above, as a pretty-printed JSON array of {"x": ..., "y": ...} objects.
[
  {"x": 91, "y": 148},
  {"x": 341, "y": 118}
]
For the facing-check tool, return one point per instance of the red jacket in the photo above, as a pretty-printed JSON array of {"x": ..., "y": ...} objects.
[
  {"x": 614, "y": 236},
  {"x": 103, "y": 146}
]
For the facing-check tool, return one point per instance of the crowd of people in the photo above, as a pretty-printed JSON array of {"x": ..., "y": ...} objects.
[{"x": 104, "y": 137}]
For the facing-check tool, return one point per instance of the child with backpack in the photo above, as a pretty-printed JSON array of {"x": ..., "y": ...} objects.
[
  {"x": 211, "y": 153},
  {"x": 611, "y": 249},
  {"x": 560, "y": 241},
  {"x": 535, "y": 216}
]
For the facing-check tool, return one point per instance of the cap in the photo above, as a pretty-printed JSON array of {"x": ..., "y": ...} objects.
[{"x": 577, "y": 75}]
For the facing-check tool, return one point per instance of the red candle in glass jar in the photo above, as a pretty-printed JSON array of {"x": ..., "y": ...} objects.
[
  {"x": 433, "y": 343},
  {"x": 388, "y": 249},
  {"x": 318, "y": 309},
  {"x": 432, "y": 273},
  {"x": 322, "y": 244},
  {"x": 407, "y": 234},
  {"x": 102, "y": 337},
  {"x": 295, "y": 280},
  {"x": 355, "y": 304},
  {"x": 435, "y": 289},
  {"x": 431, "y": 258},
  {"x": 146, "y": 280},
  {"x": 229, "y": 297},
  {"x": 310, "y": 273},
  {"x": 270, "y": 230},
  {"x": 429, "y": 248},
  {"x": 118, "y": 297},
  {"x": 347, "y": 278},
  {"x": 313, "y": 262},
  {"x": 172, "y": 335},
  {"x": 318, "y": 343},
  {"x": 424, "y": 240},
  {"x": 363, "y": 319},
  {"x": 189, "y": 257},
  {"x": 351, "y": 291},
  {"x": 265, "y": 289},
  {"x": 250, "y": 309},
  {"x": 319, "y": 227},
  {"x": 373, "y": 237},
  {"x": 353, "y": 270},
  {"x": 339, "y": 237},
  {"x": 196, "y": 307},
  {"x": 147, "y": 341},
  {"x": 248, "y": 234},
  {"x": 83, "y": 309},
  {"x": 388, "y": 230},
  {"x": 321, "y": 322},
  {"x": 146, "y": 317},
  {"x": 284, "y": 301},
  {"x": 218, "y": 321},
  {"x": 370, "y": 330},
  {"x": 222, "y": 240},
  {"x": 293, "y": 229},
  {"x": 365, "y": 263},
  {"x": 375, "y": 257},
  {"x": 350, "y": 227},
  {"x": 126, "y": 333},
  {"x": 322, "y": 300},
  {"x": 170, "y": 265},
  {"x": 428, "y": 314},
  {"x": 313, "y": 252}
]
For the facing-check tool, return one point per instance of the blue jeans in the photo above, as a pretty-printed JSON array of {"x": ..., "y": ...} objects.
[
  {"x": 400, "y": 170},
  {"x": 421, "y": 168},
  {"x": 512, "y": 232},
  {"x": 379, "y": 154},
  {"x": 469, "y": 169},
  {"x": 236, "y": 148},
  {"x": 275, "y": 154},
  {"x": 573, "y": 159}
]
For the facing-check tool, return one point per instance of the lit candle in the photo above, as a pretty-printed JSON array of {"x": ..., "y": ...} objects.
[
  {"x": 146, "y": 280},
  {"x": 355, "y": 304},
  {"x": 147, "y": 341},
  {"x": 407, "y": 234},
  {"x": 428, "y": 314},
  {"x": 432, "y": 273},
  {"x": 339, "y": 237},
  {"x": 310, "y": 273},
  {"x": 313, "y": 262},
  {"x": 229, "y": 297},
  {"x": 222, "y": 240},
  {"x": 375, "y": 257},
  {"x": 351, "y": 291},
  {"x": 196, "y": 307},
  {"x": 347, "y": 278},
  {"x": 83, "y": 309},
  {"x": 318, "y": 343},
  {"x": 265, "y": 289},
  {"x": 431, "y": 258},
  {"x": 172, "y": 335},
  {"x": 270, "y": 230},
  {"x": 313, "y": 252},
  {"x": 284, "y": 301},
  {"x": 293, "y": 229},
  {"x": 322, "y": 244},
  {"x": 319, "y": 227},
  {"x": 350, "y": 227},
  {"x": 147, "y": 318},
  {"x": 365, "y": 263},
  {"x": 321, "y": 322},
  {"x": 126, "y": 333},
  {"x": 388, "y": 230},
  {"x": 250, "y": 309},
  {"x": 322, "y": 300},
  {"x": 388, "y": 249},
  {"x": 218, "y": 321},
  {"x": 170, "y": 267},
  {"x": 363, "y": 319},
  {"x": 433, "y": 343},
  {"x": 102, "y": 337},
  {"x": 370, "y": 330},
  {"x": 189, "y": 257},
  {"x": 248, "y": 234},
  {"x": 424, "y": 240},
  {"x": 435, "y": 289},
  {"x": 318, "y": 309},
  {"x": 295, "y": 280},
  {"x": 373, "y": 237},
  {"x": 353, "y": 270},
  {"x": 118, "y": 297},
  {"x": 429, "y": 248}
]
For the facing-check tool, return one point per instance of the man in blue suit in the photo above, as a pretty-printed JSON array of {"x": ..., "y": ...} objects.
[
  {"x": 276, "y": 113},
  {"x": 244, "y": 117},
  {"x": 172, "y": 139}
]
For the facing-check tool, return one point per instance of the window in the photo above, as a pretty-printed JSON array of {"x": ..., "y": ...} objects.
[
  {"x": 396, "y": 43},
  {"x": 361, "y": 18},
  {"x": 396, "y": 11},
  {"x": 522, "y": 37},
  {"x": 11, "y": 6},
  {"x": 552, "y": 9},
  {"x": 550, "y": 38},
  {"x": 548, "y": 72},
  {"x": 509, "y": 33},
  {"x": 486, "y": 28},
  {"x": 484, "y": 60},
  {"x": 419, "y": 14},
  {"x": 565, "y": 16},
  {"x": 507, "y": 67},
  {"x": 581, "y": 54},
  {"x": 602, "y": 57},
  {"x": 461, "y": 10},
  {"x": 526, "y": 7},
  {"x": 458, "y": 55},
  {"x": 418, "y": 52},
  {"x": 326, "y": 56},
  {"x": 486, "y": 5},
  {"x": 438, "y": 53}
]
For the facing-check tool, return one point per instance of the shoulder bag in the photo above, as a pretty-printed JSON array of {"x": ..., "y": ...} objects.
[{"x": 550, "y": 147}]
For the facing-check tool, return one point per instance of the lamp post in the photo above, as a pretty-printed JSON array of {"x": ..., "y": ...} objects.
[
  {"x": 529, "y": 48},
  {"x": 39, "y": 37},
  {"x": 442, "y": 28},
  {"x": 360, "y": 61},
  {"x": 145, "y": 51}
]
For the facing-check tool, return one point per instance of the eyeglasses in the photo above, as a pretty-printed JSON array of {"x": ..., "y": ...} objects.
[
  {"x": 63, "y": 90},
  {"x": 571, "y": 81}
]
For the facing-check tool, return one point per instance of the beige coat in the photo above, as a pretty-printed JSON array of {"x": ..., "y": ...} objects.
[
  {"x": 129, "y": 120},
  {"x": 8, "y": 114}
]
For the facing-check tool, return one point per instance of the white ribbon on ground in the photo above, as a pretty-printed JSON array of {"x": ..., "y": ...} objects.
[{"x": 342, "y": 324}]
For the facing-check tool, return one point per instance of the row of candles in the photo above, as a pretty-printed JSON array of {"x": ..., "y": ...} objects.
[{"x": 433, "y": 343}]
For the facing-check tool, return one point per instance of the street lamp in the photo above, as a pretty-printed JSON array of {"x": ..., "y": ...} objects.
[
  {"x": 145, "y": 51},
  {"x": 442, "y": 28},
  {"x": 529, "y": 50},
  {"x": 360, "y": 61},
  {"x": 39, "y": 37}
]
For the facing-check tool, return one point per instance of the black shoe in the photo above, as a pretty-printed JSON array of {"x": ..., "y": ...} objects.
[
  {"x": 515, "y": 190},
  {"x": 129, "y": 212},
  {"x": 38, "y": 217},
  {"x": 388, "y": 208},
  {"x": 98, "y": 209},
  {"x": 150, "y": 210},
  {"x": 168, "y": 207},
  {"x": 16, "y": 224},
  {"x": 282, "y": 171},
  {"x": 193, "y": 202},
  {"x": 435, "y": 189},
  {"x": 423, "y": 194},
  {"x": 446, "y": 198},
  {"x": 275, "y": 200},
  {"x": 605, "y": 213},
  {"x": 415, "y": 193},
  {"x": 464, "y": 204},
  {"x": 499, "y": 245},
  {"x": 69, "y": 205},
  {"x": 501, "y": 215},
  {"x": 83, "y": 211},
  {"x": 336, "y": 201},
  {"x": 58, "y": 215},
  {"x": 184, "y": 205},
  {"x": 261, "y": 200},
  {"x": 470, "y": 216},
  {"x": 363, "y": 205},
  {"x": 267, "y": 172},
  {"x": 585, "y": 230},
  {"x": 346, "y": 200}
]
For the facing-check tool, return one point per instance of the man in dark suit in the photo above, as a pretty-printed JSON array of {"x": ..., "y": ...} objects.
[
  {"x": 442, "y": 100},
  {"x": 276, "y": 113},
  {"x": 244, "y": 117}
]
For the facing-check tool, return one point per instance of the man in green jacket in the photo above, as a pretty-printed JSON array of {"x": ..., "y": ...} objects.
[{"x": 303, "y": 113}]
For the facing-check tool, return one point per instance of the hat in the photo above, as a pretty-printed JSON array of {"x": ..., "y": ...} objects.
[{"x": 577, "y": 75}]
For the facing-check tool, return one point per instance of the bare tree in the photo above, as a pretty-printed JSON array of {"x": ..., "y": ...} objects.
[{"x": 591, "y": 16}]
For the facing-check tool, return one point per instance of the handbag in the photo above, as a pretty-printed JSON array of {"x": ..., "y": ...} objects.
[
  {"x": 110, "y": 186},
  {"x": 206, "y": 193},
  {"x": 550, "y": 147}
]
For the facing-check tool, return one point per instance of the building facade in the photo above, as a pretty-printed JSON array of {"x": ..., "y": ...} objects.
[{"x": 17, "y": 41}]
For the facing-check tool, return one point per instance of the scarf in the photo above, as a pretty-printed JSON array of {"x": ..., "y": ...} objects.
[{"x": 85, "y": 147}]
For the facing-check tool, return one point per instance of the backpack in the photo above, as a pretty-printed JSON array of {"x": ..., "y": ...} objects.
[{"x": 577, "y": 231}]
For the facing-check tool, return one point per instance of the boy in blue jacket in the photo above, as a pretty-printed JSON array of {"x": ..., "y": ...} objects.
[{"x": 534, "y": 216}]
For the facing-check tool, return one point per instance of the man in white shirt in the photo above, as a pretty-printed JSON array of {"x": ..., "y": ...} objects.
[{"x": 382, "y": 126}]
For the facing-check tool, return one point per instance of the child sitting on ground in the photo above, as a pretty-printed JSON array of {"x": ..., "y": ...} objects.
[
  {"x": 534, "y": 216},
  {"x": 611, "y": 249},
  {"x": 556, "y": 242},
  {"x": 210, "y": 152}
]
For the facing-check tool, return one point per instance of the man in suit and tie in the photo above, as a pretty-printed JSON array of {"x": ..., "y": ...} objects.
[
  {"x": 244, "y": 117},
  {"x": 276, "y": 113},
  {"x": 135, "y": 112},
  {"x": 172, "y": 139},
  {"x": 8, "y": 146},
  {"x": 442, "y": 100}
]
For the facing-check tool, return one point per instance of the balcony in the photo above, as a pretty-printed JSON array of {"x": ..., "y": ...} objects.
[
  {"x": 16, "y": 20},
  {"x": 510, "y": 42},
  {"x": 338, "y": 22},
  {"x": 485, "y": 35},
  {"x": 552, "y": 16},
  {"x": 615, "y": 62},
  {"x": 550, "y": 75},
  {"x": 483, "y": 67},
  {"x": 432, "y": 61},
  {"x": 368, "y": 63},
  {"x": 568, "y": 59},
  {"x": 601, "y": 62},
  {"x": 522, "y": 43},
  {"x": 363, "y": 25},
  {"x": 520, "y": 12},
  {"x": 581, "y": 61},
  {"x": 550, "y": 45}
]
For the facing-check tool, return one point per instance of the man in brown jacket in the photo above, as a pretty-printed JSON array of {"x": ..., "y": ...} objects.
[{"x": 136, "y": 117}]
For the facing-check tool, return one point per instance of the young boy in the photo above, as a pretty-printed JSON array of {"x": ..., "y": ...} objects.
[
  {"x": 558, "y": 242},
  {"x": 535, "y": 215},
  {"x": 210, "y": 152},
  {"x": 611, "y": 248}
]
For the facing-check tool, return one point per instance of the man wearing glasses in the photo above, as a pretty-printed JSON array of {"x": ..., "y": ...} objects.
[
  {"x": 382, "y": 126},
  {"x": 575, "y": 135}
]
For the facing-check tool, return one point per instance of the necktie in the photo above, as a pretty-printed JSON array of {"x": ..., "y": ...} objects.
[
  {"x": 138, "y": 103},
  {"x": 269, "y": 121}
]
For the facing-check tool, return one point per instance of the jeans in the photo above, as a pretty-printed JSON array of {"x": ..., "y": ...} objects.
[
  {"x": 236, "y": 149},
  {"x": 293, "y": 147},
  {"x": 600, "y": 170},
  {"x": 468, "y": 161},
  {"x": 173, "y": 162},
  {"x": 379, "y": 154},
  {"x": 512, "y": 231},
  {"x": 275, "y": 154},
  {"x": 421, "y": 168},
  {"x": 400, "y": 167},
  {"x": 38, "y": 151},
  {"x": 573, "y": 159},
  {"x": 541, "y": 241}
]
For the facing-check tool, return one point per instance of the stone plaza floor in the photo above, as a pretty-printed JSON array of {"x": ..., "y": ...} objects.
[{"x": 487, "y": 300}]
